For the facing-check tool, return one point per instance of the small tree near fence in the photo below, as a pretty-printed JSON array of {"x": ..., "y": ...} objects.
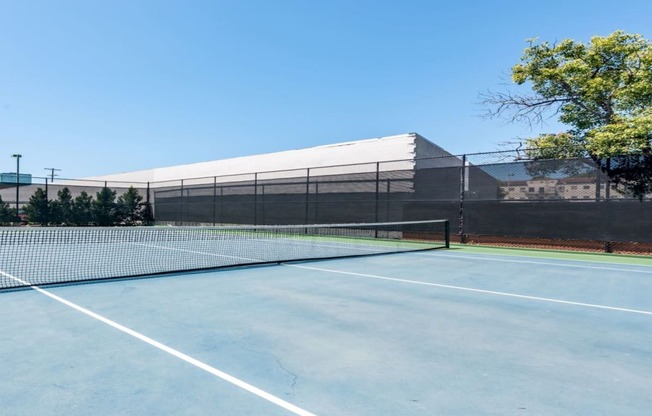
[
  {"x": 83, "y": 210},
  {"x": 7, "y": 214}
]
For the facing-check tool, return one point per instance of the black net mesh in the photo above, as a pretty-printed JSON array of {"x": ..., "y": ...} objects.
[{"x": 39, "y": 256}]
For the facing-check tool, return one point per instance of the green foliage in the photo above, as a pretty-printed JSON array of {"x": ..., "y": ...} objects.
[
  {"x": 7, "y": 214},
  {"x": 129, "y": 207},
  {"x": 105, "y": 208},
  {"x": 61, "y": 210},
  {"x": 82, "y": 209},
  {"x": 602, "y": 90},
  {"x": 147, "y": 213},
  {"x": 38, "y": 208},
  {"x": 594, "y": 84},
  {"x": 625, "y": 136}
]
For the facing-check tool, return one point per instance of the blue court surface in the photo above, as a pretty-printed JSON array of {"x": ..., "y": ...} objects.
[{"x": 448, "y": 332}]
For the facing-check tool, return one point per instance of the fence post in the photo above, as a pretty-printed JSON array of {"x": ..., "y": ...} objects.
[
  {"x": 305, "y": 220},
  {"x": 317, "y": 220},
  {"x": 47, "y": 202},
  {"x": 148, "y": 205},
  {"x": 461, "y": 214},
  {"x": 598, "y": 183},
  {"x": 388, "y": 203},
  {"x": 181, "y": 205},
  {"x": 607, "y": 191},
  {"x": 256, "y": 198},
  {"x": 377, "y": 195},
  {"x": 214, "y": 199},
  {"x": 376, "y": 219}
]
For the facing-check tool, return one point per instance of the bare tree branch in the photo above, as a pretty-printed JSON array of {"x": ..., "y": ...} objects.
[{"x": 531, "y": 109}]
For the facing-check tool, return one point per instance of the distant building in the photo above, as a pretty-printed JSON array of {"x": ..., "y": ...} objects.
[{"x": 582, "y": 188}]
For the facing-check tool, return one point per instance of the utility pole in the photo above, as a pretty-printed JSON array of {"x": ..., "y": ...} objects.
[{"x": 52, "y": 174}]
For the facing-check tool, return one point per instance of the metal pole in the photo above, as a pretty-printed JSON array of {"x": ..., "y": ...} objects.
[
  {"x": 214, "y": 198},
  {"x": 47, "y": 202},
  {"x": 317, "y": 221},
  {"x": 222, "y": 205},
  {"x": 181, "y": 204},
  {"x": 462, "y": 189},
  {"x": 607, "y": 190},
  {"x": 377, "y": 190},
  {"x": 305, "y": 220},
  {"x": 148, "y": 206},
  {"x": 377, "y": 194},
  {"x": 388, "y": 216},
  {"x": 256, "y": 198},
  {"x": 17, "y": 156},
  {"x": 598, "y": 183}
]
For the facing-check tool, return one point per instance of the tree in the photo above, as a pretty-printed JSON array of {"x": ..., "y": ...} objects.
[
  {"x": 7, "y": 214},
  {"x": 129, "y": 207},
  {"x": 61, "y": 210},
  {"x": 105, "y": 207},
  {"x": 147, "y": 213},
  {"x": 82, "y": 208},
  {"x": 602, "y": 91},
  {"x": 38, "y": 208}
]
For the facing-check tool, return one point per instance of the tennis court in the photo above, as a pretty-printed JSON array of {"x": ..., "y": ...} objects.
[{"x": 459, "y": 331}]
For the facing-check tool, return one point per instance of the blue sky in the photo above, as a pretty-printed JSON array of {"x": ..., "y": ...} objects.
[{"x": 99, "y": 87}]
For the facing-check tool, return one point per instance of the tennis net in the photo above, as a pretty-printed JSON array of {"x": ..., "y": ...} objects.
[{"x": 55, "y": 255}]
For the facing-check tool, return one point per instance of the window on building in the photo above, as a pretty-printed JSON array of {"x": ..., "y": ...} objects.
[
  {"x": 530, "y": 189},
  {"x": 573, "y": 187},
  {"x": 586, "y": 187},
  {"x": 542, "y": 190},
  {"x": 511, "y": 189},
  {"x": 586, "y": 197}
]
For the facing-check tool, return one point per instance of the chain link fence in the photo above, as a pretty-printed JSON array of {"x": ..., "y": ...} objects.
[{"x": 498, "y": 198}]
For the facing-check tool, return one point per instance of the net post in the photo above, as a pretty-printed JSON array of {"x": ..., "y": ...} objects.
[{"x": 447, "y": 233}]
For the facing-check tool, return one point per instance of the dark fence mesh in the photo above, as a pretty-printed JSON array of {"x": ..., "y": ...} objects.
[{"x": 496, "y": 198}]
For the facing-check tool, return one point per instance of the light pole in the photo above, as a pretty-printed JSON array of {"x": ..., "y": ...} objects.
[{"x": 17, "y": 156}]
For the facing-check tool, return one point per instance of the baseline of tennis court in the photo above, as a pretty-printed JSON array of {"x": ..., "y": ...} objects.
[{"x": 450, "y": 332}]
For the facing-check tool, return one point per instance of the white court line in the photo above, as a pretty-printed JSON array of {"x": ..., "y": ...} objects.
[
  {"x": 469, "y": 289},
  {"x": 545, "y": 263},
  {"x": 183, "y": 250},
  {"x": 184, "y": 357}
]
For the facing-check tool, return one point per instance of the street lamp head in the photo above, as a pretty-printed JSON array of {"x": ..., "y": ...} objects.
[{"x": 16, "y": 155}]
